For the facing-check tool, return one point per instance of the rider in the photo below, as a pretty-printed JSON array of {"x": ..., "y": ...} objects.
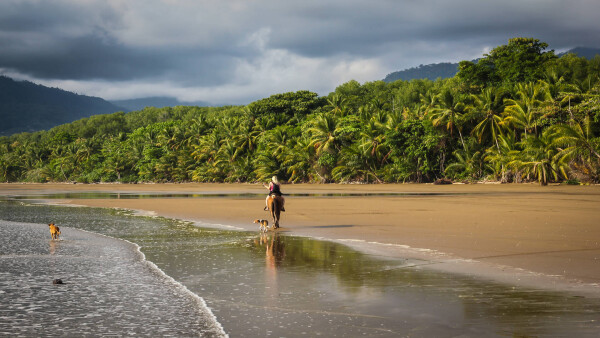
[{"x": 274, "y": 189}]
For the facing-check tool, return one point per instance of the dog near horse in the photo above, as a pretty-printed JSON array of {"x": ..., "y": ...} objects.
[{"x": 264, "y": 224}]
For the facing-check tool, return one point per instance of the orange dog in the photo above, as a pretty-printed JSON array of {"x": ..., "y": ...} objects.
[
  {"x": 264, "y": 224},
  {"x": 54, "y": 231}
]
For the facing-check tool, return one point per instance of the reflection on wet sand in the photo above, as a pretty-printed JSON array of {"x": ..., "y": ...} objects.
[
  {"x": 278, "y": 285},
  {"x": 274, "y": 255}
]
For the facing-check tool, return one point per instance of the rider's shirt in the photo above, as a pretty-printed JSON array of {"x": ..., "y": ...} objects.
[{"x": 275, "y": 189}]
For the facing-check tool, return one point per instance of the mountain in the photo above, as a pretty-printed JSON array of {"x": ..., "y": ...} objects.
[
  {"x": 431, "y": 71},
  {"x": 588, "y": 53},
  {"x": 26, "y": 106},
  {"x": 155, "y": 101},
  {"x": 447, "y": 70}
]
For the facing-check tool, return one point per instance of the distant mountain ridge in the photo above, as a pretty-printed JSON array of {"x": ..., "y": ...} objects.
[
  {"x": 448, "y": 70},
  {"x": 586, "y": 52},
  {"x": 431, "y": 71},
  {"x": 27, "y": 107},
  {"x": 155, "y": 101}
]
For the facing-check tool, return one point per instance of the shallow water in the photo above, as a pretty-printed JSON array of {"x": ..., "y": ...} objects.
[
  {"x": 277, "y": 285},
  {"x": 108, "y": 289},
  {"x": 121, "y": 195}
]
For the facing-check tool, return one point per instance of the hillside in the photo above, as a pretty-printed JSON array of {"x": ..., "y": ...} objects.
[
  {"x": 154, "y": 101},
  {"x": 447, "y": 70},
  {"x": 588, "y": 53},
  {"x": 433, "y": 71},
  {"x": 26, "y": 106}
]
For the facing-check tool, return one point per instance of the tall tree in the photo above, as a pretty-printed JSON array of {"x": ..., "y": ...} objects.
[
  {"x": 521, "y": 60},
  {"x": 486, "y": 109}
]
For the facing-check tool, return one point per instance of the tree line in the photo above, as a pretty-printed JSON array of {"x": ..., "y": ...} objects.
[{"x": 519, "y": 114}]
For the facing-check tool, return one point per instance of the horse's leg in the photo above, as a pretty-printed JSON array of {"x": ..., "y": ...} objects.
[
  {"x": 276, "y": 210},
  {"x": 271, "y": 207}
]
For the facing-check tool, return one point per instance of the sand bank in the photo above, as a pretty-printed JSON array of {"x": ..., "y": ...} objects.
[{"x": 552, "y": 230}]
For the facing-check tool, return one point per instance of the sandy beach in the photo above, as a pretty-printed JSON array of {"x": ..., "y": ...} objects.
[{"x": 551, "y": 230}]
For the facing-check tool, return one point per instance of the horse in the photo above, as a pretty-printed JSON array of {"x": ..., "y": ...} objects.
[{"x": 274, "y": 203}]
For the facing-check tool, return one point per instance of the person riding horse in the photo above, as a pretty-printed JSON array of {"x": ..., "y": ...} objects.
[{"x": 274, "y": 189}]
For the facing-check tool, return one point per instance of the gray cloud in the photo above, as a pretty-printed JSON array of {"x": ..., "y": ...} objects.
[{"x": 238, "y": 50}]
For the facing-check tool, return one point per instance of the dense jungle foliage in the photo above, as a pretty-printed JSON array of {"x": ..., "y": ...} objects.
[{"x": 519, "y": 114}]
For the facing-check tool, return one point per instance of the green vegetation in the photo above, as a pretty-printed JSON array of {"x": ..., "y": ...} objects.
[{"x": 519, "y": 114}]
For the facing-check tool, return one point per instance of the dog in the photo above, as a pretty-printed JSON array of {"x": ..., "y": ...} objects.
[
  {"x": 54, "y": 231},
  {"x": 264, "y": 224}
]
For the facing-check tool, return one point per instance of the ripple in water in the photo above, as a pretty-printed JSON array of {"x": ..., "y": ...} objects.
[
  {"x": 108, "y": 288},
  {"x": 269, "y": 285}
]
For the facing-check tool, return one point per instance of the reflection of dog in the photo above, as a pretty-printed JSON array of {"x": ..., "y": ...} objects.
[
  {"x": 264, "y": 224},
  {"x": 54, "y": 231}
]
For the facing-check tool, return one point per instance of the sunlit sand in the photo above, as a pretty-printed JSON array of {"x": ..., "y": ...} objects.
[{"x": 552, "y": 230}]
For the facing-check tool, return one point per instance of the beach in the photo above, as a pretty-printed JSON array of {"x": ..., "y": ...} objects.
[
  {"x": 349, "y": 260},
  {"x": 550, "y": 231},
  {"x": 106, "y": 288}
]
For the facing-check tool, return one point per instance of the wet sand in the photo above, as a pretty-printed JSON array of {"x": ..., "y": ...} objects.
[
  {"x": 552, "y": 230},
  {"x": 107, "y": 288}
]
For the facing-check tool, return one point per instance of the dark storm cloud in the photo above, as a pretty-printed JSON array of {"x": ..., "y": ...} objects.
[
  {"x": 256, "y": 45},
  {"x": 79, "y": 43},
  {"x": 84, "y": 58},
  {"x": 369, "y": 28}
]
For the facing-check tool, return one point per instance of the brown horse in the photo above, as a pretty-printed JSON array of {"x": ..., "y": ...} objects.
[{"x": 274, "y": 203}]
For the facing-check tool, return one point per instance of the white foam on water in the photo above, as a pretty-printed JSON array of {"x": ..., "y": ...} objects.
[
  {"x": 199, "y": 300},
  {"x": 439, "y": 261},
  {"x": 217, "y": 226}
]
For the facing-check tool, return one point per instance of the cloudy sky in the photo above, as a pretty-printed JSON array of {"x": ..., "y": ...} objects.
[{"x": 230, "y": 51}]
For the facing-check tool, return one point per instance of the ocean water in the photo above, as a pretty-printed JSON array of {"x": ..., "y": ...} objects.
[
  {"x": 108, "y": 288},
  {"x": 189, "y": 280}
]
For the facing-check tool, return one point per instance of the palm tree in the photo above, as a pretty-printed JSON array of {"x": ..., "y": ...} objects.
[
  {"x": 354, "y": 165},
  {"x": 247, "y": 139},
  {"x": 9, "y": 167},
  {"x": 277, "y": 141},
  {"x": 522, "y": 113},
  {"x": 498, "y": 157},
  {"x": 468, "y": 164},
  {"x": 336, "y": 104},
  {"x": 323, "y": 134},
  {"x": 429, "y": 99},
  {"x": 576, "y": 143},
  {"x": 485, "y": 110},
  {"x": 225, "y": 158},
  {"x": 539, "y": 158},
  {"x": 207, "y": 148},
  {"x": 373, "y": 141},
  {"x": 447, "y": 112},
  {"x": 575, "y": 92},
  {"x": 299, "y": 161},
  {"x": 196, "y": 128}
]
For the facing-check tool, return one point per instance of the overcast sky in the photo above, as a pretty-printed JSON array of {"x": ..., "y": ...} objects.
[{"x": 223, "y": 51}]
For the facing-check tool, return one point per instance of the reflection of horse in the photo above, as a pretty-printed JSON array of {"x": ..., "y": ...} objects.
[
  {"x": 275, "y": 249},
  {"x": 275, "y": 203}
]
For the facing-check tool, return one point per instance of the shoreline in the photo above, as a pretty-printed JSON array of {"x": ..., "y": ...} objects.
[
  {"x": 520, "y": 234},
  {"x": 98, "y": 274}
]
